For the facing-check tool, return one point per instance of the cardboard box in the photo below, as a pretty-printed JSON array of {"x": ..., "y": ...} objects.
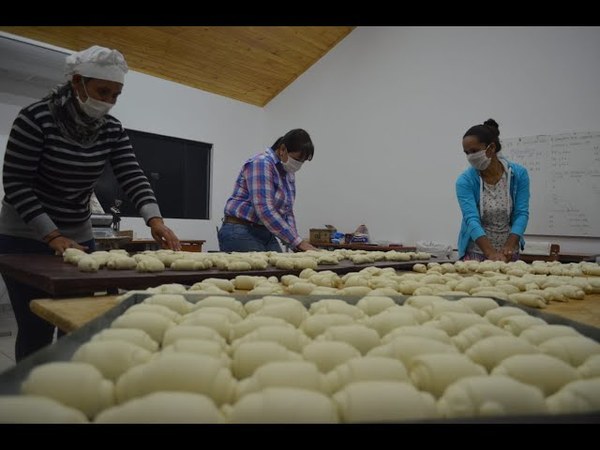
[{"x": 321, "y": 235}]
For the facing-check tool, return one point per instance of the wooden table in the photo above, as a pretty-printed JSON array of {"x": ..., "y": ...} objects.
[
  {"x": 370, "y": 247},
  {"x": 59, "y": 279},
  {"x": 139, "y": 245}
]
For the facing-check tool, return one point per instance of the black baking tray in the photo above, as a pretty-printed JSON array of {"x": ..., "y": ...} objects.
[{"x": 64, "y": 348}]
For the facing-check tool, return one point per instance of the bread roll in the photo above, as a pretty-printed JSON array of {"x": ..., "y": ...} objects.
[
  {"x": 335, "y": 306},
  {"x": 490, "y": 396},
  {"x": 159, "y": 309},
  {"x": 217, "y": 322},
  {"x": 545, "y": 372},
  {"x": 75, "y": 384},
  {"x": 132, "y": 335},
  {"x": 164, "y": 407},
  {"x": 176, "y": 302},
  {"x": 367, "y": 368},
  {"x": 383, "y": 401},
  {"x": 435, "y": 372},
  {"x": 372, "y": 305},
  {"x": 329, "y": 354},
  {"x": 198, "y": 332},
  {"x": 316, "y": 324},
  {"x": 590, "y": 368},
  {"x": 283, "y": 405},
  {"x": 359, "y": 336},
  {"x": 249, "y": 324},
  {"x": 455, "y": 322},
  {"x": 494, "y": 315},
  {"x": 388, "y": 320},
  {"x": 517, "y": 324},
  {"x": 183, "y": 372},
  {"x": 479, "y": 305},
  {"x": 416, "y": 330},
  {"x": 405, "y": 348},
  {"x": 36, "y": 409},
  {"x": 152, "y": 323},
  {"x": 475, "y": 333}
]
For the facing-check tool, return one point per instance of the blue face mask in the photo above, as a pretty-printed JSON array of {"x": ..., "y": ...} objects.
[{"x": 93, "y": 108}]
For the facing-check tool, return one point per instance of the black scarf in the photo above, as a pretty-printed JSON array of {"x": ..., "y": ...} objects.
[{"x": 74, "y": 125}]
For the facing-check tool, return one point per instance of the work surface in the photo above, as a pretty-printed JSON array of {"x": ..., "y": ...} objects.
[{"x": 57, "y": 278}]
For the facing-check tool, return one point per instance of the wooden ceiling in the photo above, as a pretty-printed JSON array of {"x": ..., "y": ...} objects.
[{"x": 250, "y": 64}]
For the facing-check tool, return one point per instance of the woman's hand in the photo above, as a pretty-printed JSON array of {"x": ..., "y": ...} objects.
[
  {"x": 305, "y": 246},
  {"x": 163, "y": 234},
  {"x": 497, "y": 256},
  {"x": 60, "y": 243}
]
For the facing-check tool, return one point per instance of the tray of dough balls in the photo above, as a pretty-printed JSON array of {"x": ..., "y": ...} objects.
[{"x": 180, "y": 358}]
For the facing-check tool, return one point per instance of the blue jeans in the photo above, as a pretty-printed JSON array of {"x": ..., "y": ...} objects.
[
  {"x": 33, "y": 331},
  {"x": 234, "y": 237}
]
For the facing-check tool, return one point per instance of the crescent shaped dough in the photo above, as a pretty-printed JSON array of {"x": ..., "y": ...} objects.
[
  {"x": 293, "y": 313},
  {"x": 245, "y": 282},
  {"x": 494, "y": 315},
  {"x": 153, "y": 324},
  {"x": 435, "y": 372},
  {"x": 383, "y": 401},
  {"x": 159, "y": 309},
  {"x": 317, "y": 324},
  {"x": 405, "y": 348},
  {"x": 199, "y": 347},
  {"x": 249, "y": 356},
  {"x": 35, "y": 409},
  {"x": 416, "y": 330},
  {"x": 359, "y": 336},
  {"x": 543, "y": 371},
  {"x": 517, "y": 324},
  {"x": 272, "y": 405},
  {"x": 199, "y": 332},
  {"x": 367, "y": 368},
  {"x": 420, "y": 301},
  {"x": 490, "y": 351},
  {"x": 217, "y": 322},
  {"x": 111, "y": 358},
  {"x": 476, "y": 333},
  {"x": 221, "y": 283},
  {"x": 479, "y": 305},
  {"x": 579, "y": 396},
  {"x": 389, "y": 320},
  {"x": 329, "y": 354},
  {"x": 176, "y": 302},
  {"x": 184, "y": 372},
  {"x": 75, "y": 384},
  {"x": 164, "y": 407},
  {"x": 232, "y": 316},
  {"x": 372, "y": 305},
  {"x": 573, "y": 350},
  {"x": 132, "y": 335},
  {"x": 299, "y": 374},
  {"x": 490, "y": 396},
  {"x": 455, "y": 322},
  {"x": 590, "y": 368},
  {"x": 290, "y": 337},
  {"x": 250, "y": 324},
  {"x": 335, "y": 306}
]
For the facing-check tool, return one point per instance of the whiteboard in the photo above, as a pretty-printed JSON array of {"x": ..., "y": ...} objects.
[{"x": 564, "y": 172}]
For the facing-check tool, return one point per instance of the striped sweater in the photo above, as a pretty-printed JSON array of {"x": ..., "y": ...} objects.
[{"x": 48, "y": 180}]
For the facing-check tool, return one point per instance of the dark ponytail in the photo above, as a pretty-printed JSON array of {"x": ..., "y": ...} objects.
[{"x": 487, "y": 133}]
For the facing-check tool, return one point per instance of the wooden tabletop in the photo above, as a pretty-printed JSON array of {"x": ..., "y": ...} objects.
[
  {"x": 57, "y": 278},
  {"x": 370, "y": 247}
]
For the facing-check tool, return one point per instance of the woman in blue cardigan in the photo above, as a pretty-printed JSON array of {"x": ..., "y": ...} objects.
[{"x": 493, "y": 196}]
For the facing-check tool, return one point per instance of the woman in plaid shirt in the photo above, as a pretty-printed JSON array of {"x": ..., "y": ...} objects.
[{"x": 261, "y": 206}]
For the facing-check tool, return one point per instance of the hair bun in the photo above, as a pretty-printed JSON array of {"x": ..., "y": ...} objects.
[{"x": 493, "y": 125}]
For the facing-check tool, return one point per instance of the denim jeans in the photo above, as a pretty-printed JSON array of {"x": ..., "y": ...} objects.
[
  {"x": 33, "y": 331},
  {"x": 235, "y": 237}
]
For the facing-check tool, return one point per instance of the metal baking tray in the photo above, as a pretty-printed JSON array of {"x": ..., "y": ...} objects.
[{"x": 64, "y": 348}]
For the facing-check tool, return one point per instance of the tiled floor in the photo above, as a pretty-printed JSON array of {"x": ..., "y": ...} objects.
[{"x": 8, "y": 335}]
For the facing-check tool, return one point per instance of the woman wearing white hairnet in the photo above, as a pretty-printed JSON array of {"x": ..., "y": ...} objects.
[{"x": 56, "y": 152}]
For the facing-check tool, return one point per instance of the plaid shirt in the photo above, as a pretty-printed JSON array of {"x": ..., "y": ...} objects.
[{"x": 264, "y": 193}]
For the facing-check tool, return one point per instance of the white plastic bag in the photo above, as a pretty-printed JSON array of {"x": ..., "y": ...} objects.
[{"x": 437, "y": 249}]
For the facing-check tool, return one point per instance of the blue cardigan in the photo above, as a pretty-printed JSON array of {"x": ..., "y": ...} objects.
[{"x": 468, "y": 193}]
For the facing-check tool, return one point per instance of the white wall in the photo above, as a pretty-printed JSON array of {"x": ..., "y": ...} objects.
[
  {"x": 387, "y": 108},
  {"x": 158, "y": 106}
]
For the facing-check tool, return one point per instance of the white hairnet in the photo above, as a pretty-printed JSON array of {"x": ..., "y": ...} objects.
[{"x": 97, "y": 62}]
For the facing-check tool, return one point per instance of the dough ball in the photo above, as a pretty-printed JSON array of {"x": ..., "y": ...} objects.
[
  {"x": 75, "y": 384},
  {"x": 164, "y": 407},
  {"x": 88, "y": 264}
]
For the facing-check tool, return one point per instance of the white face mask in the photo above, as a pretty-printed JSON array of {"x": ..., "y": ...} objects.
[
  {"x": 92, "y": 107},
  {"x": 292, "y": 165},
  {"x": 479, "y": 160}
]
